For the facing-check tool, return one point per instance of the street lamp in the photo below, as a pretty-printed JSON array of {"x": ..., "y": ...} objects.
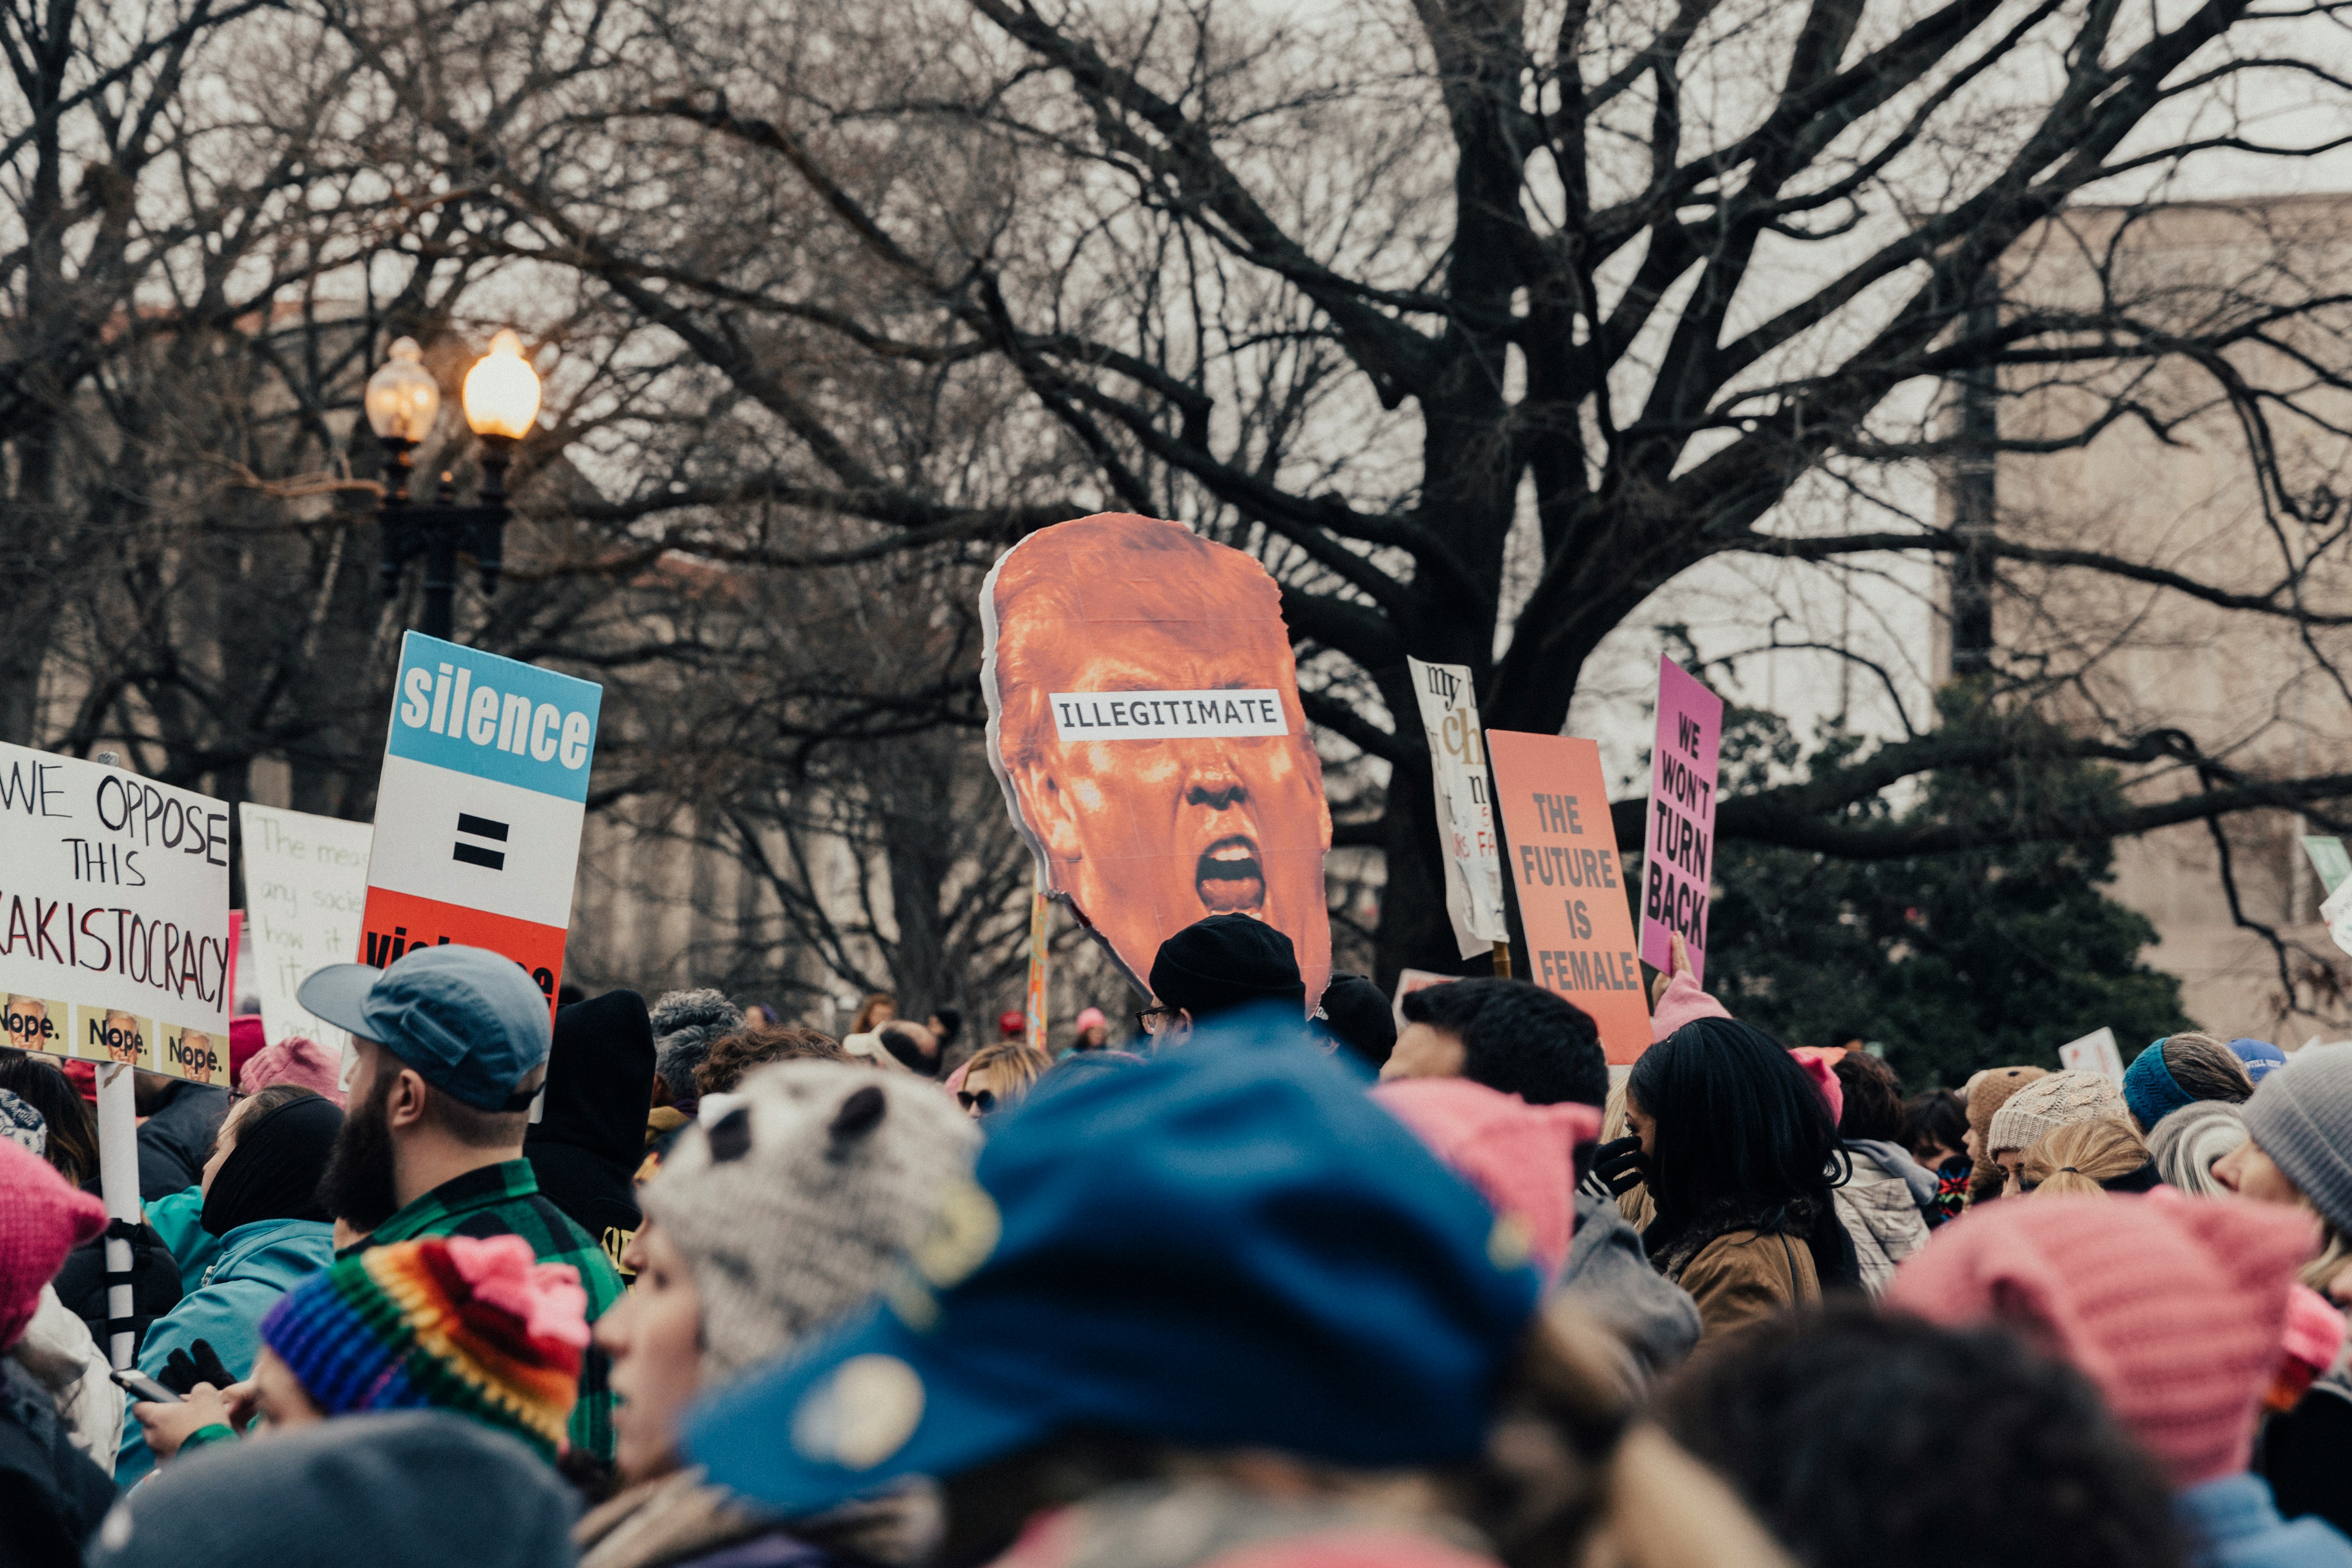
[{"x": 501, "y": 401}]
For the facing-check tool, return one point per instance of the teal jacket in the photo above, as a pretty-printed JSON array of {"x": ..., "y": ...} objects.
[
  {"x": 257, "y": 1264},
  {"x": 178, "y": 1218}
]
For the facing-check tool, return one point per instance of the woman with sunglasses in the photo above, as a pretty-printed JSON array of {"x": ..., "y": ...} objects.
[{"x": 998, "y": 1077}]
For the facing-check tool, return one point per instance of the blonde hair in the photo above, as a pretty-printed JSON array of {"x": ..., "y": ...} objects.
[
  {"x": 2335, "y": 1257},
  {"x": 2083, "y": 1156},
  {"x": 1016, "y": 1067}
]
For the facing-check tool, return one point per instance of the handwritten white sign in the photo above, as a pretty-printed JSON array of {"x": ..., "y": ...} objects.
[
  {"x": 114, "y": 931},
  {"x": 305, "y": 888}
]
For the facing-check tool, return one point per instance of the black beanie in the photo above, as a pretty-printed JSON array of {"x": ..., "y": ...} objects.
[
  {"x": 1359, "y": 1018},
  {"x": 1226, "y": 961}
]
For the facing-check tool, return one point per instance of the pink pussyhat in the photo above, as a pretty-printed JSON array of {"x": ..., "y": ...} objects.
[
  {"x": 2176, "y": 1308},
  {"x": 1821, "y": 1064},
  {"x": 1090, "y": 1018},
  {"x": 294, "y": 1059},
  {"x": 1521, "y": 1157},
  {"x": 42, "y": 1218}
]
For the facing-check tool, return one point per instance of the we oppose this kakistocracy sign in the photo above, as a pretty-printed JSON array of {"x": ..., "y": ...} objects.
[
  {"x": 477, "y": 819},
  {"x": 1144, "y": 721},
  {"x": 305, "y": 890},
  {"x": 115, "y": 924},
  {"x": 1465, "y": 813},
  {"x": 1678, "y": 836}
]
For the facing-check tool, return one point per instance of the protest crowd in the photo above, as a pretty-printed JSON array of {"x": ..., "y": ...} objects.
[{"x": 1248, "y": 1287}]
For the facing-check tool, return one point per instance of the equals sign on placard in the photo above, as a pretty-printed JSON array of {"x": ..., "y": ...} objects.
[{"x": 474, "y": 854}]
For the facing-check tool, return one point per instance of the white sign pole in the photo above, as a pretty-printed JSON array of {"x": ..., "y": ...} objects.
[
  {"x": 118, "y": 1174},
  {"x": 118, "y": 1180}
]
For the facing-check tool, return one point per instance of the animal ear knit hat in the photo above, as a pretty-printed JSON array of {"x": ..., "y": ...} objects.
[
  {"x": 1990, "y": 1091},
  {"x": 2176, "y": 1308},
  {"x": 472, "y": 1325},
  {"x": 797, "y": 1199},
  {"x": 42, "y": 1218},
  {"x": 2045, "y": 1105}
]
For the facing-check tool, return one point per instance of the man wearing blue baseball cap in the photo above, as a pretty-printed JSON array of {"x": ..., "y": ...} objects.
[
  {"x": 1221, "y": 1298},
  {"x": 452, "y": 1045}
]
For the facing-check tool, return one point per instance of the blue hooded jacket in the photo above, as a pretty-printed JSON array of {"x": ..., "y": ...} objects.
[{"x": 259, "y": 1263}]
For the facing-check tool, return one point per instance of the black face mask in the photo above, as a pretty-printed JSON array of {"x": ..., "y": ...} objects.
[
  {"x": 273, "y": 1171},
  {"x": 358, "y": 1187}
]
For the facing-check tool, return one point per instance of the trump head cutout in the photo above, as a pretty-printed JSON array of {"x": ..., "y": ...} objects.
[{"x": 1144, "y": 721}]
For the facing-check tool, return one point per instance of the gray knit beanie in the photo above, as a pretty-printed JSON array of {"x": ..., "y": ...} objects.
[
  {"x": 2301, "y": 1116},
  {"x": 798, "y": 1201},
  {"x": 2186, "y": 1143},
  {"x": 685, "y": 1024},
  {"x": 2049, "y": 1104}
]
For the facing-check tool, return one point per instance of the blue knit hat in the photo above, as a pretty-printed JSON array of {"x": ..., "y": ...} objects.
[
  {"x": 2260, "y": 1058},
  {"x": 1229, "y": 1245},
  {"x": 2149, "y": 1090}
]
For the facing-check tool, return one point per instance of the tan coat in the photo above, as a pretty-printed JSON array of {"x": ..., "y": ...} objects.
[{"x": 1744, "y": 1275}]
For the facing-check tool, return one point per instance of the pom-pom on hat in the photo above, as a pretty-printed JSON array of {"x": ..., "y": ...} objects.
[
  {"x": 42, "y": 1218},
  {"x": 472, "y": 1325},
  {"x": 2176, "y": 1308},
  {"x": 2046, "y": 1104}
]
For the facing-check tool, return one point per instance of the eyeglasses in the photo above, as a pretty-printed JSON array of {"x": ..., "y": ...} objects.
[
  {"x": 1153, "y": 1020},
  {"x": 983, "y": 1102}
]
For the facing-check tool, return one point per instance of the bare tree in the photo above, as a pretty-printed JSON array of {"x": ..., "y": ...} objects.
[{"x": 1391, "y": 295}]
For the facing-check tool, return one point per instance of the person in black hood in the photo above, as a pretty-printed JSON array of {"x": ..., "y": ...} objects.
[
  {"x": 588, "y": 1140},
  {"x": 1216, "y": 966},
  {"x": 179, "y": 1119}
]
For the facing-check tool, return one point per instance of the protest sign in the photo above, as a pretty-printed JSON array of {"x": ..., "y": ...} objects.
[
  {"x": 1678, "y": 835},
  {"x": 305, "y": 890},
  {"x": 1465, "y": 815},
  {"x": 1563, "y": 853},
  {"x": 2329, "y": 859},
  {"x": 477, "y": 819},
  {"x": 114, "y": 928},
  {"x": 1410, "y": 981},
  {"x": 1144, "y": 722},
  {"x": 2094, "y": 1052}
]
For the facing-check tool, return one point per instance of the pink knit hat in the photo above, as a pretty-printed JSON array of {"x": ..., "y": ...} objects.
[
  {"x": 41, "y": 1219},
  {"x": 245, "y": 1039},
  {"x": 294, "y": 1059},
  {"x": 2176, "y": 1308},
  {"x": 1820, "y": 1063},
  {"x": 1521, "y": 1157}
]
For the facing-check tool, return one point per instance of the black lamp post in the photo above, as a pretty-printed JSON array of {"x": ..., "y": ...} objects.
[{"x": 501, "y": 401}]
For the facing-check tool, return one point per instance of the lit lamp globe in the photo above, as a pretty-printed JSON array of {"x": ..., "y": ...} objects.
[
  {"x": 402, "y": 398},
  {"x": 502, "y": 391}
]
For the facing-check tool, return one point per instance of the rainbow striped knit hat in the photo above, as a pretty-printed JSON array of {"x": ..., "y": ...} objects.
[{"x": 477, "y": 1326}]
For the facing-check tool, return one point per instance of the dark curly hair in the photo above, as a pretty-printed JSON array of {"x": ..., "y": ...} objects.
[
  {"x": 1518, "y": 1038},
  {"x": 1863, "y": 1439},
  {"x": 1873, "y": 1097},
  {"x": 734, "y": 1055}
]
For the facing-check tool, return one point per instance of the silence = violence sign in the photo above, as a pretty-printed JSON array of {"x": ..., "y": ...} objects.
[
  {"x": 478, "y": 816},
  {"x": 1562, "y": 856},
  {"x": 114, "y": 939}
]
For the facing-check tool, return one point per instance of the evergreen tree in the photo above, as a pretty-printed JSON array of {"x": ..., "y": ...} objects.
[{"x": 1952, "y": 962}]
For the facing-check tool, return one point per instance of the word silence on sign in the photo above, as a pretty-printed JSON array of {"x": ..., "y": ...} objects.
[
  {"x": 114, "y": 920},
  {"x": 1678, "y": 838},
  {"x": 480, "y": 812},
  {"x": 1562, "y": 853}
]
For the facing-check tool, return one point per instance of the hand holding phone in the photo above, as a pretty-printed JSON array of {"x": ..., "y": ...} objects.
[{"x": 139, "y": 1385}]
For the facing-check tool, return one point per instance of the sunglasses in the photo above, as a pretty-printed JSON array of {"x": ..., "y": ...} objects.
[
  {"x": 983, "y": 1102},
  {"x": 1151, "y": 1020}
]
